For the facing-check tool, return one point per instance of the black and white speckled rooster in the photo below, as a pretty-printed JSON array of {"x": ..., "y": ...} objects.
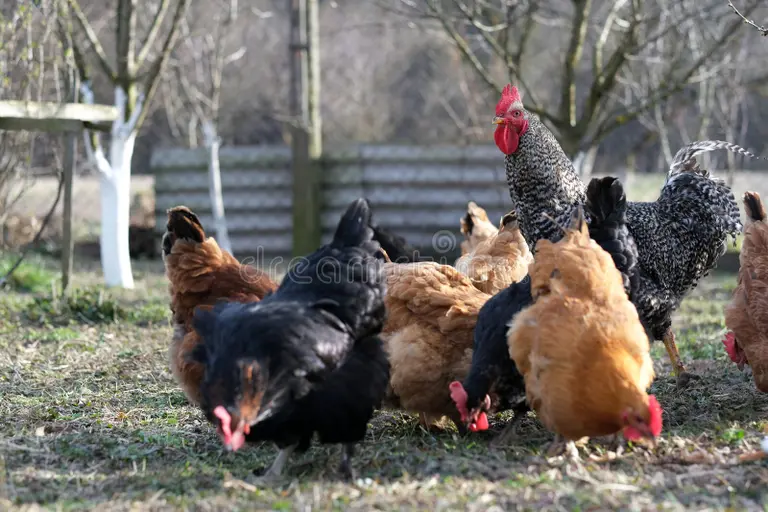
[{"x": 679, "y": 237}]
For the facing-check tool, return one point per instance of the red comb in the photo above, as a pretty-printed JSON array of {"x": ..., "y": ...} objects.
[
  {"x": 459, "y": 397},
  {"x": 509, "y": 95},
  {"x": 655, "y": 422},
  {"x": 510, "y": 92}
]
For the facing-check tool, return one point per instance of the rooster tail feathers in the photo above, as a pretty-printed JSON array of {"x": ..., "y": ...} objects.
[
  {"x": 354, "y": 227},
  {"x": 684, "y": 158},
  {"x": 754, "y": 206}
]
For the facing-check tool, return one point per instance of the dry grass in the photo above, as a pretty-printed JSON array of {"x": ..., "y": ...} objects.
[{"x": 93, "y": 419}]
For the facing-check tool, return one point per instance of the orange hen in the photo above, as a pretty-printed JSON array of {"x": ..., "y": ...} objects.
[
  {"x": 580, "y": 347},
  {"x": 200, "y": 273},
  {"x": 747, "y": 314}
]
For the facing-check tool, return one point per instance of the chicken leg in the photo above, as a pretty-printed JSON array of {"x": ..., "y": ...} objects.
[
  {"x": 683, "y": 377},
  {"x": 562, "y": 446},
  {"x": 276, "y": 469},
  {"x": 345, "y": 468}
]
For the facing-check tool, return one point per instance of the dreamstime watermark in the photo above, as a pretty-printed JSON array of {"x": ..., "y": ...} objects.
[{"x": 346, "y": 268}]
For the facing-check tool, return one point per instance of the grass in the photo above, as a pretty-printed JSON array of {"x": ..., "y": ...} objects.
[{"x": 93, "y": 419}]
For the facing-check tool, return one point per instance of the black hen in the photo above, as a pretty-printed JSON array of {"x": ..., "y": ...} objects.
[
  {"x": 396, "y": 247},
  {"x": 494, "y": 384},
  {"x": 306, "y": 359}
]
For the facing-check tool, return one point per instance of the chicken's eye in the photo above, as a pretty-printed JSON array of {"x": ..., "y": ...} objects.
[{"x": 516, "y": 113}]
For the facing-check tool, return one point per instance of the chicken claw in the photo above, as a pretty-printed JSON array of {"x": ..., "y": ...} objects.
[
  {"x": 683, "y": 377},
  {"x": 556, "y": 447}
]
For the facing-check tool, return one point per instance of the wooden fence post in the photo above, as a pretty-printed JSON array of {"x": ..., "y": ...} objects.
[{"x": 306, "y": 131}]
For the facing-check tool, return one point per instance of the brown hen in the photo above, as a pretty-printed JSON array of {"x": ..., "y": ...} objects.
[
  {"x": 200, "y": 273},
  {"x": 476, "y": 227},
  {"x": 747, "y": 314}
]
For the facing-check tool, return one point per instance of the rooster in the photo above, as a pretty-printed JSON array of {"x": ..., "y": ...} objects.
[{"x": 679, "y": 237}]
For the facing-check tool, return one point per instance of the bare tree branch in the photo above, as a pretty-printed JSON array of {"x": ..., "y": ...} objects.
[
  {"x": 154, "y": 30},
  {"x": 93, "y": 39},
  {"x": 152, "y": 78},
  {"x": 763, "y": 30},
  {"x": 572, "y": 58}
]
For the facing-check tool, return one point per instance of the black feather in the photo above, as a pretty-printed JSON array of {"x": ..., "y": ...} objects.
[
  {"x": 314, "y": 341},
  {"x": 493, "y": 372}
]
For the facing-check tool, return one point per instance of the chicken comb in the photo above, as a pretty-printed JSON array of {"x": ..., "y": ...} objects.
[
  {"x": 655, "y": 422},
  {"x": 459, "y": 397},
  {"x": 226, "y": 427},
  {"x": 509, "y": 96}
]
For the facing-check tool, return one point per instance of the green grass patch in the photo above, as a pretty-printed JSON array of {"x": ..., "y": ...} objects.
[
  {"x": 94, "y": 420},
  {"x": 31, "y": 276}
]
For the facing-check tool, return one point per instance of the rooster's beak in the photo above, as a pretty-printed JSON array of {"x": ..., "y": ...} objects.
[{"x": 498, "y": 120}]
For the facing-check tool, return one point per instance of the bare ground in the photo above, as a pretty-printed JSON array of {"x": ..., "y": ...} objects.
[{"x": 92, "y": 419}]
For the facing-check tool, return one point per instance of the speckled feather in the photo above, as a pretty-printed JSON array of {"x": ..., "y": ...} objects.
[{"x": 679, "y": 237}]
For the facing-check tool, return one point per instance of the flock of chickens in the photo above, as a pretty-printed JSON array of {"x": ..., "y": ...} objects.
[{"x": 551, "y": 311}]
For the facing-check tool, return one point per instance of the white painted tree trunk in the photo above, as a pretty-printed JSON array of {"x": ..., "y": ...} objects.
[
  {"x": 115, "y": 213},
  {"x": 115, "y": 189},
  {"x": 212, "y": 142}
]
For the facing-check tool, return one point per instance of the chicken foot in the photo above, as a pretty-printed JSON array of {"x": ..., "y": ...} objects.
[
  {"x": 345, "y": 468},
  {"x": 683, "y": 377},
  {"x": 560, "y": 446},
  {"x": 275, "y": 471}
]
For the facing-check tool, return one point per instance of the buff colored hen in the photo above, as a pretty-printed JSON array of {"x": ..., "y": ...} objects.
[
  {"x": 580, "y": 347},
  {"x": 432, "y": 312},
  {"x": 499, "y": 260}
]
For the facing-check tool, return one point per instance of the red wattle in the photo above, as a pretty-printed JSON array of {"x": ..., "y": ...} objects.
[
  {"x": 506, "y": 139},
  {"x": 480, "y": 424}
]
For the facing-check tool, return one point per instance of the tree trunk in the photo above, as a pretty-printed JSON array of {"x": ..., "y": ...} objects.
[
  {"x": 212, "y": 142},
  {"x": 584, "y": 162},
  {"x": 115, "y": 211}
]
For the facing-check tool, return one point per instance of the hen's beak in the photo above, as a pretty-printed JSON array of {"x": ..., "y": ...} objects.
[{"x": 498, "y": 120}]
